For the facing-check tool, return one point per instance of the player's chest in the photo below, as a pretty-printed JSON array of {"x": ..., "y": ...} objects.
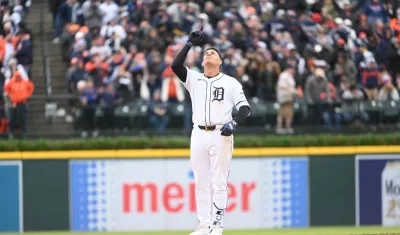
[{"x": 212, "y": 91}]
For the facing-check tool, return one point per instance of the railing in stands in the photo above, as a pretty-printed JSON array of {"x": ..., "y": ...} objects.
[
  {"x": 45, "y": 56},
  {"x": 50, "y": 105}
]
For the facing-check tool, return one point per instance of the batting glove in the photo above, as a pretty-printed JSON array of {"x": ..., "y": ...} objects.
[
  {"x": 195, "y": 38},
  {"x": 228, "y": 128}
]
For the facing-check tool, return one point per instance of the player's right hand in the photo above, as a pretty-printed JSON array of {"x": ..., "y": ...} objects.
[
  {"x": 195, "y": 37},
  {"x": 228, "y": 128}
]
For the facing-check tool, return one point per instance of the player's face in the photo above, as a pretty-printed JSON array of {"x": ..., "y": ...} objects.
[{"x": 211, "y": 57}]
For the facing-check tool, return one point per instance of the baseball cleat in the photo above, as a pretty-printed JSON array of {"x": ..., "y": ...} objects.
[
  {"x": 216, "y": 231},
  {"x": 201, "y": 231}
]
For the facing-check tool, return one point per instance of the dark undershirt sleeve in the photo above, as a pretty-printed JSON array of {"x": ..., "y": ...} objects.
[
  {"x": 178, "y": 63},
  {"x": 243, "y": 113}
]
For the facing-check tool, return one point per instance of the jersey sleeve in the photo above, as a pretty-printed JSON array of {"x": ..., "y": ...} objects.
[
  {"x": 239, "y": 99},
  {"x": 191, "y": 77}
]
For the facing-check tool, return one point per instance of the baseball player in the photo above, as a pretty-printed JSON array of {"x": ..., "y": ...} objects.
[{"x": 213, "y": 96}]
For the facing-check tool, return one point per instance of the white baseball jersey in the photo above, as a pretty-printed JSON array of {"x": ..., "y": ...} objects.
[{"x": 213, "y": 99}]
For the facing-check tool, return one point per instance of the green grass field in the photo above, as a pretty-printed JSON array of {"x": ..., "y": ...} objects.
[{"x": 307, "y": 231}]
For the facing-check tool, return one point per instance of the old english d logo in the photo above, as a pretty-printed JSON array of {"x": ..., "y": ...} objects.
[{"x": 218, "y": 94}]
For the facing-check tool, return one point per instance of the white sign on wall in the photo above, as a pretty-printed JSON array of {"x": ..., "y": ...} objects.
[{"x": 159, "y": 194}]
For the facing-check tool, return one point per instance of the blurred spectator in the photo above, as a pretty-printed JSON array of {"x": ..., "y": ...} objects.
[
  {"x": 18, "y": 90},
  {"x": 79, "y": 46},
  {"x": 248, "y": 84},
  {"x": 397, "y": 82},
  {"x": 388, "y": 91},
  {"x": 113, "y": 30},
  {"x": 158, "y": 112},
  {"x": 24, "y": 54},
  {"x": 153, "y": 41},
  {"x": 351, "y": 106},
  {"x": 89, "y": 100},
  {"x": 394, "y": 56},
  {"x": 371, "y": 78},
  {"x": 116, "y": 67},
  {"x": 108, "y": 99},
  {"x": 54, "y": 5},
  {"x": 67, "y": 40},
  {"x": 100, "y": 49},
  {"x": 285, "y": 92},
  {"x": 148, "y": 85},
  {"x": 171, "y": 88},
  {"x": 8, "y": 46},
  {"x": 395, "y": 23},
  {"x": 26, "y": 4},
  {"x": 125, "y": 87},
  {"x": 203, "y": 22},
  {"x": 97, "y": 69},
  {"x": 317, "y": 94},
  {"x": 363, "y": 27},
  {"x": 76, "y": 72},
  {"x": 375, "y": 11},
  {"x": 13, "y": 67},
  {"x": 331, "y": 115},
  {"x": 345, "y": 70},
  {"x": 67, "y": 13},
  {"x": 93, "y": 14},
  {"x": 329, "y": 10},
  {"x": 110, "y": 10}
]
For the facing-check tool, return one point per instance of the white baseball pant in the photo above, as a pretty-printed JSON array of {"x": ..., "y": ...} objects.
[{"x": 210, "y": 158}]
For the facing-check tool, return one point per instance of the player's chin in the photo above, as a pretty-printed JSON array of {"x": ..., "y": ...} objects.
[{"x": 209, "y": 63}]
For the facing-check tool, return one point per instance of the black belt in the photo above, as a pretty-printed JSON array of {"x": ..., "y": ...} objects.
[{"x": 207, "y": 128}]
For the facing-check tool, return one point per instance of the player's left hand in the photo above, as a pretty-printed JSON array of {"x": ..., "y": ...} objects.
[
  {"x": 196, "y": 37},
  {"x": 228, "y": 128}
]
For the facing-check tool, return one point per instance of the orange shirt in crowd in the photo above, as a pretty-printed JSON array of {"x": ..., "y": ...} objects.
[
  {"x": 2, "y": 48},
  {"x": 394, "y": 25},
  {"x": 91, "y": 66},
  {"x": 172, "y": 89},
  {"x": 14, "y": 42},
  {"x": 172, "y": 92},
  {"x": 18, "y": 89}
]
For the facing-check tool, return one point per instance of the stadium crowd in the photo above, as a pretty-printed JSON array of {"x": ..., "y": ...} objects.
[
  {"x": 320, "y": 52},
  {"x": 16, "y": 60}
]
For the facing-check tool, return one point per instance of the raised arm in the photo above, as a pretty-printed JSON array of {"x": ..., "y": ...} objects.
[{"x": 177, "y": 65}]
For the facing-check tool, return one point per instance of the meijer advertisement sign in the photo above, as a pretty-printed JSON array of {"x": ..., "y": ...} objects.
[
  {"x": 159, "y": 194},
  {"x": 378, "y": 189}
]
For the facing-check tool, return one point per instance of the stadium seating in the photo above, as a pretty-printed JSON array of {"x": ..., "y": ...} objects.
[{"x": 134, "y": 115}]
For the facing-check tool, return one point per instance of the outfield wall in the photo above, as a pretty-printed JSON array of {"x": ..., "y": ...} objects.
[{"x": 139, "y": 190}]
